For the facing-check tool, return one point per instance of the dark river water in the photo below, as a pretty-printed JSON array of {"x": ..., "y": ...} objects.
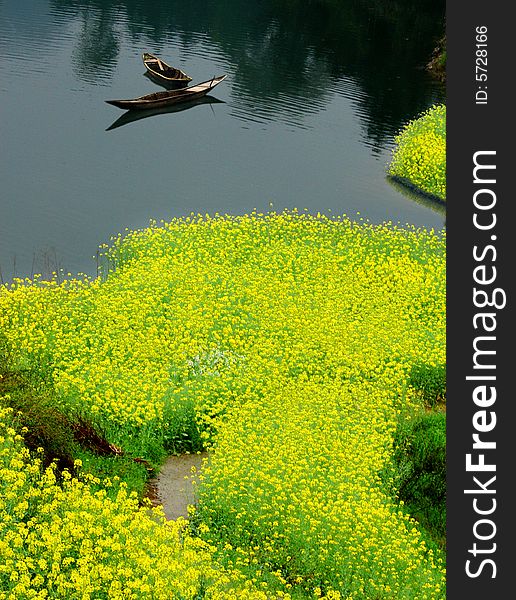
[{"x": 314, "y": 94}]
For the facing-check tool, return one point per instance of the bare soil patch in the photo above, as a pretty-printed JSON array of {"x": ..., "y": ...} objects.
[{"x": 173, "y": 488}]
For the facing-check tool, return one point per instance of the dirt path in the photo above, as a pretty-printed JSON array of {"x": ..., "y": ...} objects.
[{"x": 173, "y": 491}]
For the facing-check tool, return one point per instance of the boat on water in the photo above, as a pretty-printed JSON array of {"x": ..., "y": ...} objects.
[
  {"x": 169, "y": 97},
  {"x": 163, "y": 73}
]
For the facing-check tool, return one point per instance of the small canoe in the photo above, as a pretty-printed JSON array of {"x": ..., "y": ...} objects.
[
  {"x": 162, "y": 72},
  {"x": 160, "y": 99}
]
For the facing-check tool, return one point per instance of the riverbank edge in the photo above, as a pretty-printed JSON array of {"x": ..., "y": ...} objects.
[
  {"x": 404, "y": 145},
  {"x": 407, "y": 183}
]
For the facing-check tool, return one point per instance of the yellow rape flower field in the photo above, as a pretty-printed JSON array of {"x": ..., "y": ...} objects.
[
  {"x": 419, "y": 157},
  {"x": 283, "y": 344}
]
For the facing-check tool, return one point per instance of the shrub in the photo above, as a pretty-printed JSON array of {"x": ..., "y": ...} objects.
[
  {"x": 430, "y": 382},
  {"x": 420, "y": 466},
  {"x": 419, "y": 157}
]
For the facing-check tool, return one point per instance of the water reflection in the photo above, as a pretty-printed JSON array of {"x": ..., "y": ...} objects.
[
  {"x": 315, "y": 92},
  {"x": 428, "y": 200},
  {"x": 288, "y": 57},
  {"x": 135, "y": 115},
  {"x": 98, "y": 44},
  {"x": 46, "y": 262}
]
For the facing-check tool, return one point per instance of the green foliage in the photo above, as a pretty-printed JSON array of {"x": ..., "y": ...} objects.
[
  {"x": 437, "y": 64},
  {"x": 108, "y": 468},
  {"x": 46, "y": 427},
  {"x": 430, "y": 382},
  {"x": 419, "y": 157},
  {"x": 181, "y": 432},
  {"x": 57, "y": 437},
  {"x": 420, "y": 470},
  {"x": 441, "y": 61}
]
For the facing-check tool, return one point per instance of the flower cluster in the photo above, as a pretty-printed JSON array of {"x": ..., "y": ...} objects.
[
  {"x": 420, "y": 153},
  {"x": 286, "y": 341},
  {"x": 66, "y": 541}
]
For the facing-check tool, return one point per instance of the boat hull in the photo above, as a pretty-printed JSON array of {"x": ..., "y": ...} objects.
[
  {"x": 168, "y": 84},
  {"x": 162, "y": 73},
  {"x": 169, "y": 97}
]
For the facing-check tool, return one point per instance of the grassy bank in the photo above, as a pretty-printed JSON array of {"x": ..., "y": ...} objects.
[
  {"x": 293, "y": 347},
  {"x": 419, "y": 158},
  {"x": 437, "y": 63}
]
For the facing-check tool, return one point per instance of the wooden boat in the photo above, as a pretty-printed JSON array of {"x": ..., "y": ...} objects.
[
  {"x": 162, "y": 72},
  {"x": 160, "y": 99}
]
